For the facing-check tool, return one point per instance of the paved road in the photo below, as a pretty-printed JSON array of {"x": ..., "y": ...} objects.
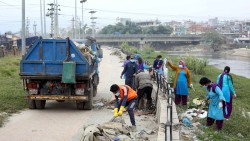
[{"x": 61, "y": 121}]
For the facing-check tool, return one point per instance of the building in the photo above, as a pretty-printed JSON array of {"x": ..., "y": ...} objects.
[
  {"x": 123, "y": 20},
  {"x": 246, "y": 28},
  {"x": 213, "y": 22},
  {"x": 148, "y": 23},
  {"x": 199, "y": 29}
]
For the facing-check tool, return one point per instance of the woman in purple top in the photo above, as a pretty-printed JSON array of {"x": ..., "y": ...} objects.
[{"x": 140, "y": 64}]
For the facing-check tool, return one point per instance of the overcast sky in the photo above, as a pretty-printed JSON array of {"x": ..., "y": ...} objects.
[{"x": 137, "y": 10}]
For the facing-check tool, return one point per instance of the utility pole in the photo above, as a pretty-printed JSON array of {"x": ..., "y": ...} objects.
[
  {"x": 93, "y": 22},
  {"x": 51, "y": 15},
  {"x": 23, "y": 29},
  {"x": 80, "y": 26},
  {"x": 44, "y": 19},
  {"x": 41, "y": 15},
  {"x": 56, "y": 18},
  {"x": 75, "y": 17},
  {"x": 82, "y": 1},
  {"x": 73, "y": 28},
  {"x": 34, "y": 27},
  {"x": 27, "y": 27}
]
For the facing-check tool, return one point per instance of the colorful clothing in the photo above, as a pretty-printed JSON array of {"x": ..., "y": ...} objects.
[
  {"x": 158, "y": 66},
  {"x": 177, "y": 71},
  {"x": 227, "y": 86},
  {"x": 128, "y": 101},
  {"x": 225, "y": 82},
  {"x": 214, "y": 111},
  {"x": 182, "y": 86}
]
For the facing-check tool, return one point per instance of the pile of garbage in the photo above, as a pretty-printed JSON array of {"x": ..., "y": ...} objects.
[
  {"x": 190, "y": 124},
  {"x": 114, "y": 130}
]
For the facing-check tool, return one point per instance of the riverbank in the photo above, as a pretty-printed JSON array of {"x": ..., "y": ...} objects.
[
  {"x": 237, "y": 127},
  {"x": 203, "y": 50},
  {"x": 243, "y": 52}
]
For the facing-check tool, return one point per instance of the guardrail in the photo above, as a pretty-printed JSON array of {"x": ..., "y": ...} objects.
[{"x": 165, "y": 86}]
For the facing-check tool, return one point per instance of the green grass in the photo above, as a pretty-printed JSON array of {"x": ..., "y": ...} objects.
[
  {"x": 237, "y": 123},
  {"x": 11, "y": 89}
]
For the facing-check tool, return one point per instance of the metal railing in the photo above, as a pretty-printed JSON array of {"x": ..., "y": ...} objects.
[{"x": 165, "y": 87}]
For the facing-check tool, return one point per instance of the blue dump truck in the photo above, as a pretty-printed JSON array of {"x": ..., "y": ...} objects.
[{"x": 56, "y": 69}]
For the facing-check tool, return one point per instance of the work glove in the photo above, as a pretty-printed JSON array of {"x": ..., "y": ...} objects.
[
  {"x": 203, "y": 103},
  {"x": 191, "y": 86},
  {"x": 121, "y": 110},
  {"x": 116, "y": 112},
  {"x": 234, "y": 95},
  {"x": 220, "y": 105}
]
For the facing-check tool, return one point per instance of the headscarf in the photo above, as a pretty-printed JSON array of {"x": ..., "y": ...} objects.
[
  {"x": 226, "y": 71},
  {"x": 182, "y": 63}
]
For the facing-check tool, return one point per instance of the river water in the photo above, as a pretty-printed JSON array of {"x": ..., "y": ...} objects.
[{"x": 239, "y": 65}]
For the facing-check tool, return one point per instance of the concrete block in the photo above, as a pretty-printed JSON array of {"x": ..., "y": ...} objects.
[
  {"x": 176, "y": 135},
  {"x": 176, "y": 121},
  {"x": 175, "y": 115}
]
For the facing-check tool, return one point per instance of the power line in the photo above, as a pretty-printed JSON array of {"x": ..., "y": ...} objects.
[{"x": 8, "y": 4}]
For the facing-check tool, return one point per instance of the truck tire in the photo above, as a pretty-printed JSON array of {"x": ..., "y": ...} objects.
[
  {"x": 94, "y": 91},
  {"x": 40, "y": 104},
  {"x": 95, "y": 84},
  {"x": 89, "y": 104},
  {"x": 32, "y": 104},
  {"x": 80, "y": 105}
]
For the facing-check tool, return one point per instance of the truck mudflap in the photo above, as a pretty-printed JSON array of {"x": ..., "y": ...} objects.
[{"x": 57, "y": 97}]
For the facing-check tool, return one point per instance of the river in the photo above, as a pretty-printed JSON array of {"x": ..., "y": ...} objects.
[{"x": 239, "y": 65}]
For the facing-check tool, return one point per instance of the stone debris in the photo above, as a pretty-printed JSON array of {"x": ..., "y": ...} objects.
[{"x": 115, "y": 130}]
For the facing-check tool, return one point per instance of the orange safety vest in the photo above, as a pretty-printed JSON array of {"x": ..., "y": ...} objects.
[{"x": 131, "y": 93}]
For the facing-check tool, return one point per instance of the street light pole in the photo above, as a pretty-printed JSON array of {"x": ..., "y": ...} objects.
[
  {"x": 23, "y": 28},
  {"x": 82, "y": 1},
  {"x": 92, "y": 21}
]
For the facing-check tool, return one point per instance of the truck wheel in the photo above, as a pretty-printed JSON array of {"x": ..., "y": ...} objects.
[
  {"x": 89, "y": 104},
  {"x": 40, "y": 104},
  {"x": 79, "y": 105},
  {"x": 94, "y": 91},
  {"x": 32, "y": 104}
]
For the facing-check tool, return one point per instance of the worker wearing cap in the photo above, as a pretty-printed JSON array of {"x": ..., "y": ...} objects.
[{"x": 128, "y": 98}]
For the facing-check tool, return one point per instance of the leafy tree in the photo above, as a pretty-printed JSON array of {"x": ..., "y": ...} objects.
[
  {"x": 133, "y": 28},
  {"x": 214, "y": 39},
  {"x": 158, "y": 30}
]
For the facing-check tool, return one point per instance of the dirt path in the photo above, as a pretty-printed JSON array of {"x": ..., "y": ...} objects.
[{"x": 61, "y": 121}]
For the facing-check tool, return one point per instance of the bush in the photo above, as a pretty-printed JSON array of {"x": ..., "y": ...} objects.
[
  {"x": 125, "y": 46},
  {"x": 198, "y": 66},
  {"x": 148, "y": 50}
]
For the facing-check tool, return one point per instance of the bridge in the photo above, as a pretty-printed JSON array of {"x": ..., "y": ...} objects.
[{"x": 144, "y": 38}]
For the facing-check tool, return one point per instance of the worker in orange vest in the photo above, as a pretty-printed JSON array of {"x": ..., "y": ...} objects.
[{"x": 125, "y": 96}]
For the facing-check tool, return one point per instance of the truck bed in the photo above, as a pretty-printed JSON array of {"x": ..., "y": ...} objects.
[{"x": 44, "y": 60}]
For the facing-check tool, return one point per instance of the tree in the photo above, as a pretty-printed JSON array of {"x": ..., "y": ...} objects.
[
  {"x": 133, "y": 28},
  {"x": 158, "y": 30},
  {"x": 214, "y": 39}
]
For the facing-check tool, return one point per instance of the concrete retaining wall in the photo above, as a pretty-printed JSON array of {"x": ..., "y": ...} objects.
[{"x": 161, "y": 115}]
